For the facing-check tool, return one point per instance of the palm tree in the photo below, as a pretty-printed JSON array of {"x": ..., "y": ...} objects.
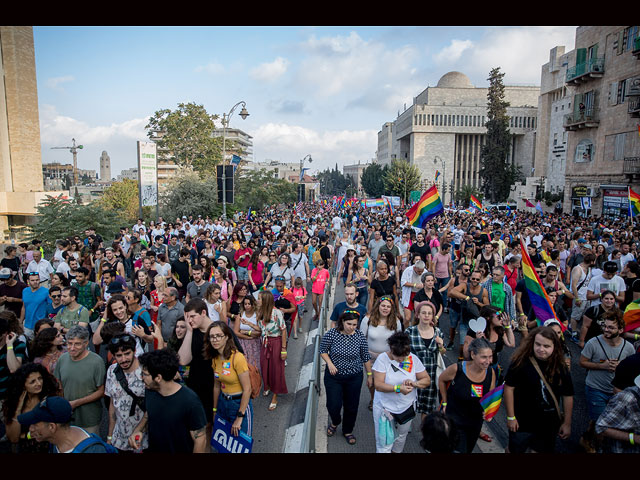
[{"x": 463, "y": 195}]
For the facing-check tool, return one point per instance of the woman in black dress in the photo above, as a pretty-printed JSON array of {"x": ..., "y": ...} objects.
[{"x": 382, "y": 284}]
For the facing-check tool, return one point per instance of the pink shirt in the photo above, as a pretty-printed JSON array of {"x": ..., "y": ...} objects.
[
  {"x": 299, "y": 292},
  {"x": 441, "y": 262},
  {"x": 318, "y": 285}
]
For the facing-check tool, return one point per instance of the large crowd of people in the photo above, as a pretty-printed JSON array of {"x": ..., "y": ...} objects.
[{"x": 173, "y": 323}]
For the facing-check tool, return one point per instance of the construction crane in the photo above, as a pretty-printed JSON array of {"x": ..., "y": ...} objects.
[{"x": 74, "y": 150}]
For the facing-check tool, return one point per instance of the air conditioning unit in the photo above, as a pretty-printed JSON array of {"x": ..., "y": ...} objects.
[{"x": 593, "y": 192}]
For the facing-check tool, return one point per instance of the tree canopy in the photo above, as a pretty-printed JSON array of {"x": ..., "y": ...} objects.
[{"x": 401, "y": 178}]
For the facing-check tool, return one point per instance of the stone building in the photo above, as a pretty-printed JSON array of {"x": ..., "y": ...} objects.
[
  {"x": 445, "y": 128},
  {"x": 105, "y": 167},
  {"x": 603, "y": 147},
  {"x": 355, "y": 170},
  {"x": 21, "y": 181}
]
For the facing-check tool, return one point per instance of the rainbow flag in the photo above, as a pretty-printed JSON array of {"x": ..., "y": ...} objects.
[
  {"x": 426, "y": 208},
  {"x": 437, "y": 175},
  {"x": 538, "y": 297},
  {"x": 491, "y": 402},
  {"x": 632, "y": 316},
  {"x": 476, "y": 203},
  {"x": 634, "y": 203},
  {"x": 389, "y": 204}
]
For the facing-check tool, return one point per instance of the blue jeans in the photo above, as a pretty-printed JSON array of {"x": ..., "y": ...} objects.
[
  {"x": 228, "y": 411},
  {"x": 441, "y": 282},
  {"x": 596, "y": 401},
  {"x": 343, "y": 397}
]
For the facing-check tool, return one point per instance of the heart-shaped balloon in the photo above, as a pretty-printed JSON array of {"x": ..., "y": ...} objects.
[{"x": 478, "y": 324}]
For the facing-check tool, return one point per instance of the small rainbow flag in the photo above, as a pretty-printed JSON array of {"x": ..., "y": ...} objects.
[
  {"x": 538, "y": 297},
  {"x": 426, "y": 208},
  {"x": 437, "y": 175},
  {"x": 632, "y": 316},
  {"x": 634, "y": 203},
  {"x": 491, "y": 402},
  {"x": 476, "y": 203},
  {"x": 407, "y": 364}
]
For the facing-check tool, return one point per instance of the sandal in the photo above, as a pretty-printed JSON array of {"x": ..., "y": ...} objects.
[
  {"x": 265, "y": 393},
  {"x": 331, "y": 430},
  {"x": 351, "y": 440},
  {"x": 485, "y": 437},
  {"x": 273, "y": 405}
]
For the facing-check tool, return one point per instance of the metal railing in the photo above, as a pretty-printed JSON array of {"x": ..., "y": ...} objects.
[
  {"x": 588, "y": 115},
  {"x": 595, "y": 65},
  {"x": 631, "y": 165},
  {"x": 634, "y": 105},
  {"x": 311, "y": 411}
]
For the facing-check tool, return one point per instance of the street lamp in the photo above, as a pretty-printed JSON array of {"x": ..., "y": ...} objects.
[
  {"x": 444, "y": 175},
  {"x": 225, "y": 123},
  {"x": 300, "y": 184}
]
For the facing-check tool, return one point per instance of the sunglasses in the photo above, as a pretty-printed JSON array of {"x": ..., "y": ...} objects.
[{"x": 121, "y": 339}]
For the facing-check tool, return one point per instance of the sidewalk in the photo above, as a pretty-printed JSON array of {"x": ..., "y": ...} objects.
[{"x": 364, "y": 429}]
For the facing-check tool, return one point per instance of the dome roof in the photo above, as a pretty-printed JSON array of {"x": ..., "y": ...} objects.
[{"x": 455, "y": 80}]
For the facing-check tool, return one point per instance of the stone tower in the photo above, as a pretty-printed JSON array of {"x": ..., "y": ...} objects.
[{"x": 105, "y": 167}]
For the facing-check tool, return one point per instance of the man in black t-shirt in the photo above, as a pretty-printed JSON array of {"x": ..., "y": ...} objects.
[
  {"x": 182, "y": 272},
  {"x": 174, "y": 416},
  {"x": 11, "y": 291},
  {"x": 419, "y": 247}
]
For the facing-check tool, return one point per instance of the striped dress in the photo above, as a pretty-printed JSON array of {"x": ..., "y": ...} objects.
[{"x": 427, "y": 352}]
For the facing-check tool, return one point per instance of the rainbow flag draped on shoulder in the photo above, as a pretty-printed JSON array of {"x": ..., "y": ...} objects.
[
  {"x": 538, "y": 297},
  {"x": 428, "y": 207}
]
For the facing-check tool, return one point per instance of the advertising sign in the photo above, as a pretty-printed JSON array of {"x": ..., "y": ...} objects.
[{"x": 148, "y": 174}]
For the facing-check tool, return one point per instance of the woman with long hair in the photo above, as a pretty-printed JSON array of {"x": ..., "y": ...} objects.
[
  {"x": 248, "y": 331},
  {"x": 216, "y": 308},
  {"x": 497, "y": 332},
  {"x": 207, "y": 269},
  {"x": 256, "y": 272},
  {"x": 232, "y": 383},
  {"x": 377, "y": 328},
  {"x": 361, "y": 277},
  {"x": 236, "y": 302},
  {"x": 47, "y": 348},
  {"x": 469, "y": 381},
  {"x": 220, "y": 278},
  {"x": 426, "y": 343},
  {"x": 28, "y": 386},
  {"x": 535, "y": 383},
  {"x": 273, "y": 352}
]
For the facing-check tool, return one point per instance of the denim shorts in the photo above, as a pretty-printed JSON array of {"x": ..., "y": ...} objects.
[{"x": 596, "y": 401}]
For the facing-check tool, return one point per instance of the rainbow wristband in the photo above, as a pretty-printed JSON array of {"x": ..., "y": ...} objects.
[
  {"x": 396, "y": 388},
  {"x": 631, "y": 439}
]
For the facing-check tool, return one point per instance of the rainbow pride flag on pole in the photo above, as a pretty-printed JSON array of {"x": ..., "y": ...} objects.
[
  {"x": 538, "y": 297},
  {"x": 476, "y": 203},
  {"x": 491, "y": 402},
  {"x": 632, "y": 316},
  {"x": 426, "y": 208},
  {"x": 634, "y": 203}
]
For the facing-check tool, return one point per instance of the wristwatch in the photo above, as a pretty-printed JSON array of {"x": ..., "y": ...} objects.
[{"x": 240, "y": 414}]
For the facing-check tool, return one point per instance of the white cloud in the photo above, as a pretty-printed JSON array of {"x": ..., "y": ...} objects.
[
  {"x": 453, "y": 51},
  {"x": 55, "y": 82},
  {"x": 290, "y": 143},
  {"x": 269, "y": 72},
  {"x": 212, "y": 68}
]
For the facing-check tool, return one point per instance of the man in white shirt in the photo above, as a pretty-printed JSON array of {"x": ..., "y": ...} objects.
[
  {"x": 337, "y": 223},
  {"x": 626, "y": 255},
  {"x": 607, "y": 280},
  {"x": 42, "y": 266}
]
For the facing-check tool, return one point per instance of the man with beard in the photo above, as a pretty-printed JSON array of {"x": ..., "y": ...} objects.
[
  {"x": 601, "y": 356},
  {"x": 175, "y": 418},
  {"x": 125, "y": 388}
]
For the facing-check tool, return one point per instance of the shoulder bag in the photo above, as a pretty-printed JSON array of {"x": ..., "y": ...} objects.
[{"x": 546, "y": 384}]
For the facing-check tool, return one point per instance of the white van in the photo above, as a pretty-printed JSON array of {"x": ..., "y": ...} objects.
[{"x": 503, "y": 207}]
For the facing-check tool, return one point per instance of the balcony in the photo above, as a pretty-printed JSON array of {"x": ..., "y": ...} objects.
[
  {"x": 631, "y": 166},
  {"x": 634, "y": 106},
  {"x": 636, "y": 47},
  {"x": 588, "y": 118},
  {"x": 583, "y": 72}
]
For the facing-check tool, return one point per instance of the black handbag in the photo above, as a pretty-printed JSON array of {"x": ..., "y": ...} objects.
[{"x": 404, "y": 417}]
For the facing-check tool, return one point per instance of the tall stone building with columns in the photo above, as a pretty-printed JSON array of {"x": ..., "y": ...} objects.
[{"x": 445, "y": 128}]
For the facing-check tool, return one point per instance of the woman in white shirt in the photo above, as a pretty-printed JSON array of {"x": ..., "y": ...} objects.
[
  {"x": 248, "y": 331},
  {"x": 216, "y": 308},
  {"x": 397, "y": 374},
  {"x": 378, "y": 327}
]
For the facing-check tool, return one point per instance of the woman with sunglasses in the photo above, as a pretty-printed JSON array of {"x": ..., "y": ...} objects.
[
  {"x": 281, "y": 269},
  {"x": 117, "y": 311},
  {"x": 377, "y": 328},
  {"x": 48, "y": 347},
  {"x": 345, "y": 350},
  {"x": 232, "y": 383}
]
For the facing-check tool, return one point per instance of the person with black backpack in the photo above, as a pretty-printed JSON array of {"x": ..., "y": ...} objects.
[{"x": 125, "y": 387}]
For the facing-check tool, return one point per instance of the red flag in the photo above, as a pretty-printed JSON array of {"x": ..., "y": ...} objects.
[{"x": 529, "y": 204}]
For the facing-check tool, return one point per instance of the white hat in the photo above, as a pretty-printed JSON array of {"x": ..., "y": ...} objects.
[{"x": 5, "y": 273}]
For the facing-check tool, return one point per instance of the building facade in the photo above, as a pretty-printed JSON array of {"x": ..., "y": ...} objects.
[
  {"x": 21, "y": 181},
  {"x": 445, "y": 129},
  {"x": 355, "y": 171},
  {"x": 603, "y": 145},
  {"x": 105, "y": 167}
]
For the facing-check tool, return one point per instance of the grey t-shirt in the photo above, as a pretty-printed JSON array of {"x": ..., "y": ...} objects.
[
  {"x": 196, "y": 291},
  {"x": 374, "y": 247},
  {"x": 599, "y": 353}
]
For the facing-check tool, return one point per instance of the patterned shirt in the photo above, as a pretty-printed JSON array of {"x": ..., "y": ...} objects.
[
  {"x": 347, "y": 352},
  {"x": 275, "y": 325},
  {"x": 622, "y": 413}
]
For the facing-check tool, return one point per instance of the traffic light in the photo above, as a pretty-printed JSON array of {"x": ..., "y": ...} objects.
[
  {"x": 228, "y": 173},
  {"x": 301, "y": 192}
]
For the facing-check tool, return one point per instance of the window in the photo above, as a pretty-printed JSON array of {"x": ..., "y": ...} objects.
[
  {"x": 622, "y": 90},
  {"x": 630, "y": 35},
  {"x": 584, "y": 151},
  {"x": 619, "y": 146}
]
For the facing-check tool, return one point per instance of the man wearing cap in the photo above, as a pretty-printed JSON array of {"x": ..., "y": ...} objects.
[
  {"x": 82, "y": 374},
  {"x": 11, "y": 291},
  {"x": 51, "y": 422}
]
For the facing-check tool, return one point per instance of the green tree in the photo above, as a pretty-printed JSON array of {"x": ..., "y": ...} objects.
[
  {"x": 123, "y": 197},
  {"x": 257, "y": 188},
  {"x": 188, "y": 194},
  {"x": 463, "y": 195},
  {"x": 373, "y": 180},
  {"x": 59, "y": 218},
  {"x": 401, "y": 178},
  {"x": 498, "y": 174},
  {"x": 185, "y": 135}
]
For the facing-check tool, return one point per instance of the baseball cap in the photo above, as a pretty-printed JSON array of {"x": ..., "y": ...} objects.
[
  {"x": 51, "y": 409},
  {"x": 610, "y": 267},
  {"x": 5, "y": 273},
  {"x": 582, "y": 240}
]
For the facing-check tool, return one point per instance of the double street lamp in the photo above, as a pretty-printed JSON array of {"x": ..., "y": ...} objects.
[{"x": 225, "y": 123}]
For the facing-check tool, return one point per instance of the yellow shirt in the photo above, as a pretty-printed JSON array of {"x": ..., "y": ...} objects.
[{"x": 227, "y": 372}]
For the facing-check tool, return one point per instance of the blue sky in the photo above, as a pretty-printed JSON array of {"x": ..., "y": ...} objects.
[{"x": 324, "y": 91}]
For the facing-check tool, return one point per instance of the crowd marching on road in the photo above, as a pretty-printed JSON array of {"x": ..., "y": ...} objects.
[{"x": 155, "y": 339}]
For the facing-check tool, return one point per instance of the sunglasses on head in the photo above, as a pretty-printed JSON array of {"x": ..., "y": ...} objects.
[{"x": 121, "y": 339}]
